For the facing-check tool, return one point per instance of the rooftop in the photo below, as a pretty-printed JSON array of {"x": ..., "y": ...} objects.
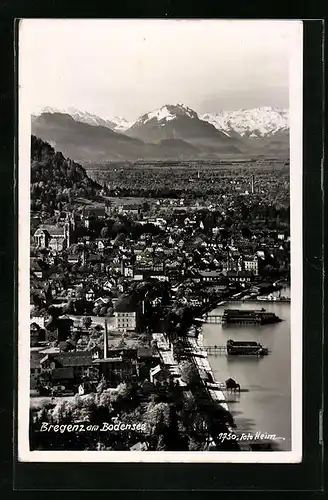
[
  {"x": 75, "y": 358},
  {"x": 53, "y": 230},
  {"x": 210, "y": 274},
  {"x": 117, "y": 359},
  {"x": 126, "y": 304},
  {"x": 95, "y": 211},
  {"x": 240, "y": 273},
  {"x": 62, "y": 373}
]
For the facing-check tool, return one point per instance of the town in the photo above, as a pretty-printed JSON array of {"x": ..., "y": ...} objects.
[{"x": 117, "y": 282}]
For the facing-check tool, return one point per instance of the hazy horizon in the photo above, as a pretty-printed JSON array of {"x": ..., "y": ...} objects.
[{"x": 130, "y": 67}]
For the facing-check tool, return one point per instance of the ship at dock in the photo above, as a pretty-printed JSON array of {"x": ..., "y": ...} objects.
[
  {"x": 248, "y": 317},
  {"x": 245, "y": 348}
]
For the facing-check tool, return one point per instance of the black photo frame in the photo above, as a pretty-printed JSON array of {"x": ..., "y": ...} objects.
[{"x": 305, "y": 476}]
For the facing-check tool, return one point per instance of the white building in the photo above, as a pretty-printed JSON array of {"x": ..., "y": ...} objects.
[
  {"x": 252, "y": 264},
  {"x": 125, "y": 316},
  {"x": 40, "y": 319},
  {"x": 125, "y": 321}
]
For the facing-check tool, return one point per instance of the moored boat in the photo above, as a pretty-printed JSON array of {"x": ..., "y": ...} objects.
[
  {"x": 245, "y": 347},
  {"x": 249, "y": 317}
]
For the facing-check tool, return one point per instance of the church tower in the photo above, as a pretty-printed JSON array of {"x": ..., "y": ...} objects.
[
  {"x": 84, "y": 257},
  {"x": 69, "y": 229},
  {"x": 67, "y": 233},
  {"x": 105, "y": 340}
]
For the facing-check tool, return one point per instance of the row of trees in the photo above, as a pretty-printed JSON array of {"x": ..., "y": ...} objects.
[
  {"x": 168, "y": 419},
  {"x": 166, "y": 422}
]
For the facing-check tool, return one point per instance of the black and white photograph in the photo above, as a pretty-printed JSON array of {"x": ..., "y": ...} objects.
[{"x": 160, "y": 240}]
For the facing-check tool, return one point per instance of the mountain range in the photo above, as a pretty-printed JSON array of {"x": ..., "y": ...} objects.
[
  {"x": 117, "y": 123},
  {"x": 170, "y": 132},
  {"x": 253, "y": 123}
]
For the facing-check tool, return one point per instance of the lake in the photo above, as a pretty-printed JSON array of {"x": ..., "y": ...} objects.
[{"x": 264, "y": 403}]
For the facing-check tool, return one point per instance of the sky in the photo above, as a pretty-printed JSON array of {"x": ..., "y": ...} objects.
[{"x": 130, "y": 67}]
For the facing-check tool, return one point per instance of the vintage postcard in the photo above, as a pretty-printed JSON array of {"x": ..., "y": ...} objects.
[{"x": 160, "y": 240}]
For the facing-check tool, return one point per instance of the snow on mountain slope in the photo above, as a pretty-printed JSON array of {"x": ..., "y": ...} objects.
[
  {"x": 121, "y": 124},
  {"x": 168, "y": 112},
  {"x": 89, "y": 118},
  {"x": 244, "y": 131},
  {"x": 118, "y": 124},
  {"x": 252, "y": 123},
  {"x": 178, "y": 121}
]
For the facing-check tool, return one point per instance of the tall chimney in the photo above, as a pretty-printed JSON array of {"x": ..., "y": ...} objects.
[
  {"x": 252, "y": 184},
  {"x": 105, "y": 340}
]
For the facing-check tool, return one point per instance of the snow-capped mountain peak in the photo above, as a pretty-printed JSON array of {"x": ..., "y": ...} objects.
[
  {"x": 253, "y": 123},
  {"x": 168, "y": 112},
  {"x": 118, "y": 124},
  {"x": 89, "y": 118},
  {"x": 256, "y": 122},
  {"x": 49, "y": 109},
  {"x": 121, "y": 124}
]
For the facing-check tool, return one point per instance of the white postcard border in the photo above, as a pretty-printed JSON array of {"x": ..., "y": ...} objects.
[{"x": 293, "y": 456}]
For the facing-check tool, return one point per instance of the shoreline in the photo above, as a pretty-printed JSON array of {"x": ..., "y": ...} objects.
[{"x": 204, "y": 369}]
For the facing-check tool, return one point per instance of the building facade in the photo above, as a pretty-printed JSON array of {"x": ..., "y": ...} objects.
[
  {"x": 55, "y": 237},
  {"x": 125, "y": 321},
  {"x": 252, "y": 264}
]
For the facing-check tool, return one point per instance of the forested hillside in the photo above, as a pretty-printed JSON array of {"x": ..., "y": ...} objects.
[{"x": 56, "y": 179}]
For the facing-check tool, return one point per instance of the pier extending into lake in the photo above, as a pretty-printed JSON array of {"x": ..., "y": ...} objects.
[
  {"x": 213, "y": 318},
  {"x": 215, "y": 349}
]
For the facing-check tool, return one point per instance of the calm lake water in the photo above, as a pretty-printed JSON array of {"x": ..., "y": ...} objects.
[{"x": 264, "y": 403}]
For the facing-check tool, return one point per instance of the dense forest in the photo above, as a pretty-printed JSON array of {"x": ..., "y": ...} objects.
[{"x": 55, "y": 179}]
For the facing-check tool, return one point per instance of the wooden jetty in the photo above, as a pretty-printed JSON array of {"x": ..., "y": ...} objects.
[
  {"x": 213, "y": 318},
  {"x": 216, "y": 349}
]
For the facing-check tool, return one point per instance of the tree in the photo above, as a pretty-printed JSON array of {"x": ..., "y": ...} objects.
[
  {"x": 104, "y": 397},
  {"x": 68, "y": 308},
  {"x": 102, "y": 385},
  {"x": 80, "y": 293},
  {"x": 104, "y": 232},
  {"x": 103, "y": 311},
  {"x": 189, "y": 373},
  {"x": 65, "y": 346},
  {"x": 161, "y": 444},
  {"x": 37, "y": 301},
  {"x": 123, "y": 391},
  {"x": 80, "y": 306},
  {"x": 87, "y": 321},
  {"x": 110, "y": 312}
]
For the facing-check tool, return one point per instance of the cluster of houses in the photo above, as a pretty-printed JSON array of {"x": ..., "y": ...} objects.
[
  {"x": 80, "y": 370},
  {"x": 70, "y": 264}
]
